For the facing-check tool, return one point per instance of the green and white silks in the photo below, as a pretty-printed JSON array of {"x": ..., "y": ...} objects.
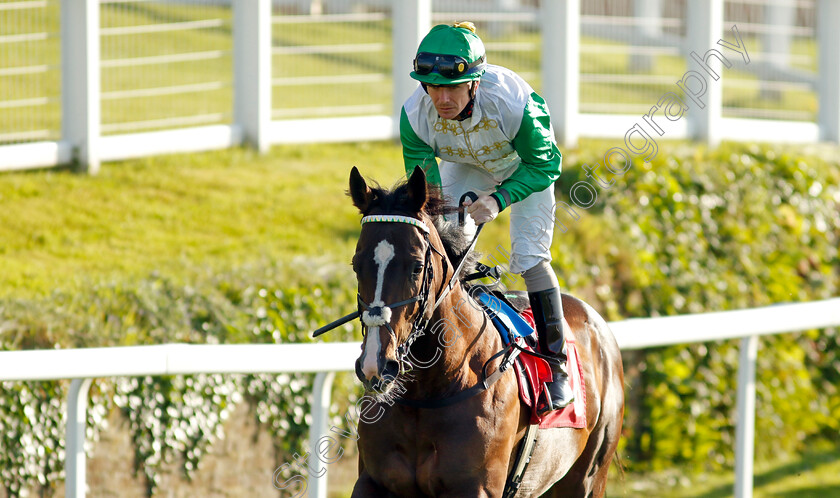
[{"x": 507, "y": 143}]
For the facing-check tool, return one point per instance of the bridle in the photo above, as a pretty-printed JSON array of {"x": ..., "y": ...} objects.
[
  {"x": 375, "y": 316},
  {"x": 379, "y": 315},
  {"x": 383, "y": 310}
]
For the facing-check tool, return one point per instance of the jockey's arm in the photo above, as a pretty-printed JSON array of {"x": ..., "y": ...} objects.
[{"x": 541, "y": 159}]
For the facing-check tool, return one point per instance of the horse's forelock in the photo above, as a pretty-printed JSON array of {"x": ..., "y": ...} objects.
[{"x": 396, "y": 201}]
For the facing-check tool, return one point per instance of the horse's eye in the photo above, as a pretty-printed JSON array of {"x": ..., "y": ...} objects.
[{"x": 417, "y": 269}]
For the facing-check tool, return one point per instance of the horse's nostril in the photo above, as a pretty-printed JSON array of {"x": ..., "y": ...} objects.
[
  {"x": 359, "y": 372},
  {"x": 390, "y": 370}
]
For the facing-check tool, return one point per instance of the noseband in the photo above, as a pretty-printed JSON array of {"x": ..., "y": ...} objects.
[{"x": 376, "y": 316}]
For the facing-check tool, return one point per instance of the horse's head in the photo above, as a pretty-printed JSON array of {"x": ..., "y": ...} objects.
[{"x": 396, "y": 263}]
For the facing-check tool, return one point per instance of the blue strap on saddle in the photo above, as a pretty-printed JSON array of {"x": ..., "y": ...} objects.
[{"x": 505, "y": 318}]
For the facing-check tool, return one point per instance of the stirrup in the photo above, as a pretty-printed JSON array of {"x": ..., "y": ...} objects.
[
  {"x": 556, "y": 401},
  {"x": 559, "y": 401}
]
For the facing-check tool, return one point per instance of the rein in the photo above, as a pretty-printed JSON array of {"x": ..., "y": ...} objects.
[
  {"x": 379, "y": 314},
  {"x": 374, "y": 315},
  {"x": 510, "y": 353},
  {"x": 419, "y": 326},
  {"x": 369, "y": 311}
]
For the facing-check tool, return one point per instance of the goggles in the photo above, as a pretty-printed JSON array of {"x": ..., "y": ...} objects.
[{"x": 449, "y": 66}]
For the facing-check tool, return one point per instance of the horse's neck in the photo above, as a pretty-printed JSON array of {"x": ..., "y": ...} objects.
[{"x": 462, "y": 338}]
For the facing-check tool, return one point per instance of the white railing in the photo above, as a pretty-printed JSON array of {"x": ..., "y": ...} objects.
[
  {"x": 82, "y": 365},
  {"x": 561, "y": 24}
]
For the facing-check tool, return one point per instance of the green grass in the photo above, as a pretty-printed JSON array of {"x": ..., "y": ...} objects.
[
  {"x": 181, "y": 213},
  {"x": 813, "y": 474},
  {"x": 177, "y": 214}
]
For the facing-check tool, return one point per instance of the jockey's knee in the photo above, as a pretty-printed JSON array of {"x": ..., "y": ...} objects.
[{"x": 540, "y": 277}]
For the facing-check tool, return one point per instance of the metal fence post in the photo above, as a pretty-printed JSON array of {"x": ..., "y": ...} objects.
[
  {"x": 252, "y": 70},
  {"x": 561, "y": 66},
  {"x": 80, "y": 80},
  {"x": 745, "y": 425},
  {"x": 704, "y": 27},
  {"x": 828, "y": 40},
  {"x": 321, "y": 394},
  {"x": 75, "y": 461},
  {"x": 411, "y": 20}
]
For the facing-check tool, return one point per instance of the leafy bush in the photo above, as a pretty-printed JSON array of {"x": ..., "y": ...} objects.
[
  {"x": 695, "y": 230},
  {"x": 168, "y": 415}
]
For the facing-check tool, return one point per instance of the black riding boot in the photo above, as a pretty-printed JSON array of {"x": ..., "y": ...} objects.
[{"x": 548, "y": 315}]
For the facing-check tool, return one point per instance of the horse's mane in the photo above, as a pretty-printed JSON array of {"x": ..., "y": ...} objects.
[{"x": 445, "y": 219}]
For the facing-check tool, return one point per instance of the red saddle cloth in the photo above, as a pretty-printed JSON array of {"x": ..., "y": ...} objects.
[{"x": 533, "y": 373}]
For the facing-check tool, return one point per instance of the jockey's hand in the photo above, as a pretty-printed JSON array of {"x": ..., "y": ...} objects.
[{"x": 484, "y": 209}]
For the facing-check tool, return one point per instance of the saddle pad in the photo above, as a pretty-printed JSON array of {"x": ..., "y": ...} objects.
[{"x": 533, "y": 372}]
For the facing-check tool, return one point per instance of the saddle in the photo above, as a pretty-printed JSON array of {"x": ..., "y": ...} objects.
[{"x": 510, "y": 311}]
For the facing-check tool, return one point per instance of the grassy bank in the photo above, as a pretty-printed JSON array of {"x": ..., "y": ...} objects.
[
  {"x": 176, "y": 215},
  {"x": 183, "y": 215}
]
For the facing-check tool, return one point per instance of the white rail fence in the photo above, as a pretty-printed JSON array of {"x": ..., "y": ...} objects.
[
  {"x": 561, "y": 24},
  {"x": 82, "y": 365}
]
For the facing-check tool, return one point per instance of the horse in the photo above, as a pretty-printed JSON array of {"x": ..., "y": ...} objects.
[{"x": 440, "y": 429}]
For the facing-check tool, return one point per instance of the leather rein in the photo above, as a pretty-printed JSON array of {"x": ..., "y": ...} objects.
[
  {"x": 420, "y": 323},
  {"x": 509, "y": 352}
]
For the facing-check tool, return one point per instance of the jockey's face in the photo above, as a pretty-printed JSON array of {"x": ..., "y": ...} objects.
[{"x": 450, "y": 100}]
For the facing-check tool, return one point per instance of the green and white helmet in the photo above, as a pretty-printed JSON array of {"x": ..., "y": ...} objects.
[{"x": 450, "y": 55}]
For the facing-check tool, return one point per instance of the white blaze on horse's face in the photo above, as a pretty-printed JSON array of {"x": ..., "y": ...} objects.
[{"x": 382, "y": 255}]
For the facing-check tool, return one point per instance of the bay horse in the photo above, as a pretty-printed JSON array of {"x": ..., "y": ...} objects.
[{"x": 426, "y": 342}]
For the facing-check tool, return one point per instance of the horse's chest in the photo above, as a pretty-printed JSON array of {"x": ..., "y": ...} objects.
[{"x": 426, "y": 457}]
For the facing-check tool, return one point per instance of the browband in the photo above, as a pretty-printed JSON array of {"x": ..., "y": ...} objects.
[{"x": 393, "y": 218}]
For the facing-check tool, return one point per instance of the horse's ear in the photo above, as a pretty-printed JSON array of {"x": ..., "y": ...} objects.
[
  {"x": 417, "y": 194},
  {"x": 361, "y": 194}
]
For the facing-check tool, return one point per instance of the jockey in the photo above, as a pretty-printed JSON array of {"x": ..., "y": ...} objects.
[{"x": 493, "y": 136}]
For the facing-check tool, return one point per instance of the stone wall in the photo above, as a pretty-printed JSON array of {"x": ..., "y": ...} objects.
[{"x": 240, "y": 465}]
